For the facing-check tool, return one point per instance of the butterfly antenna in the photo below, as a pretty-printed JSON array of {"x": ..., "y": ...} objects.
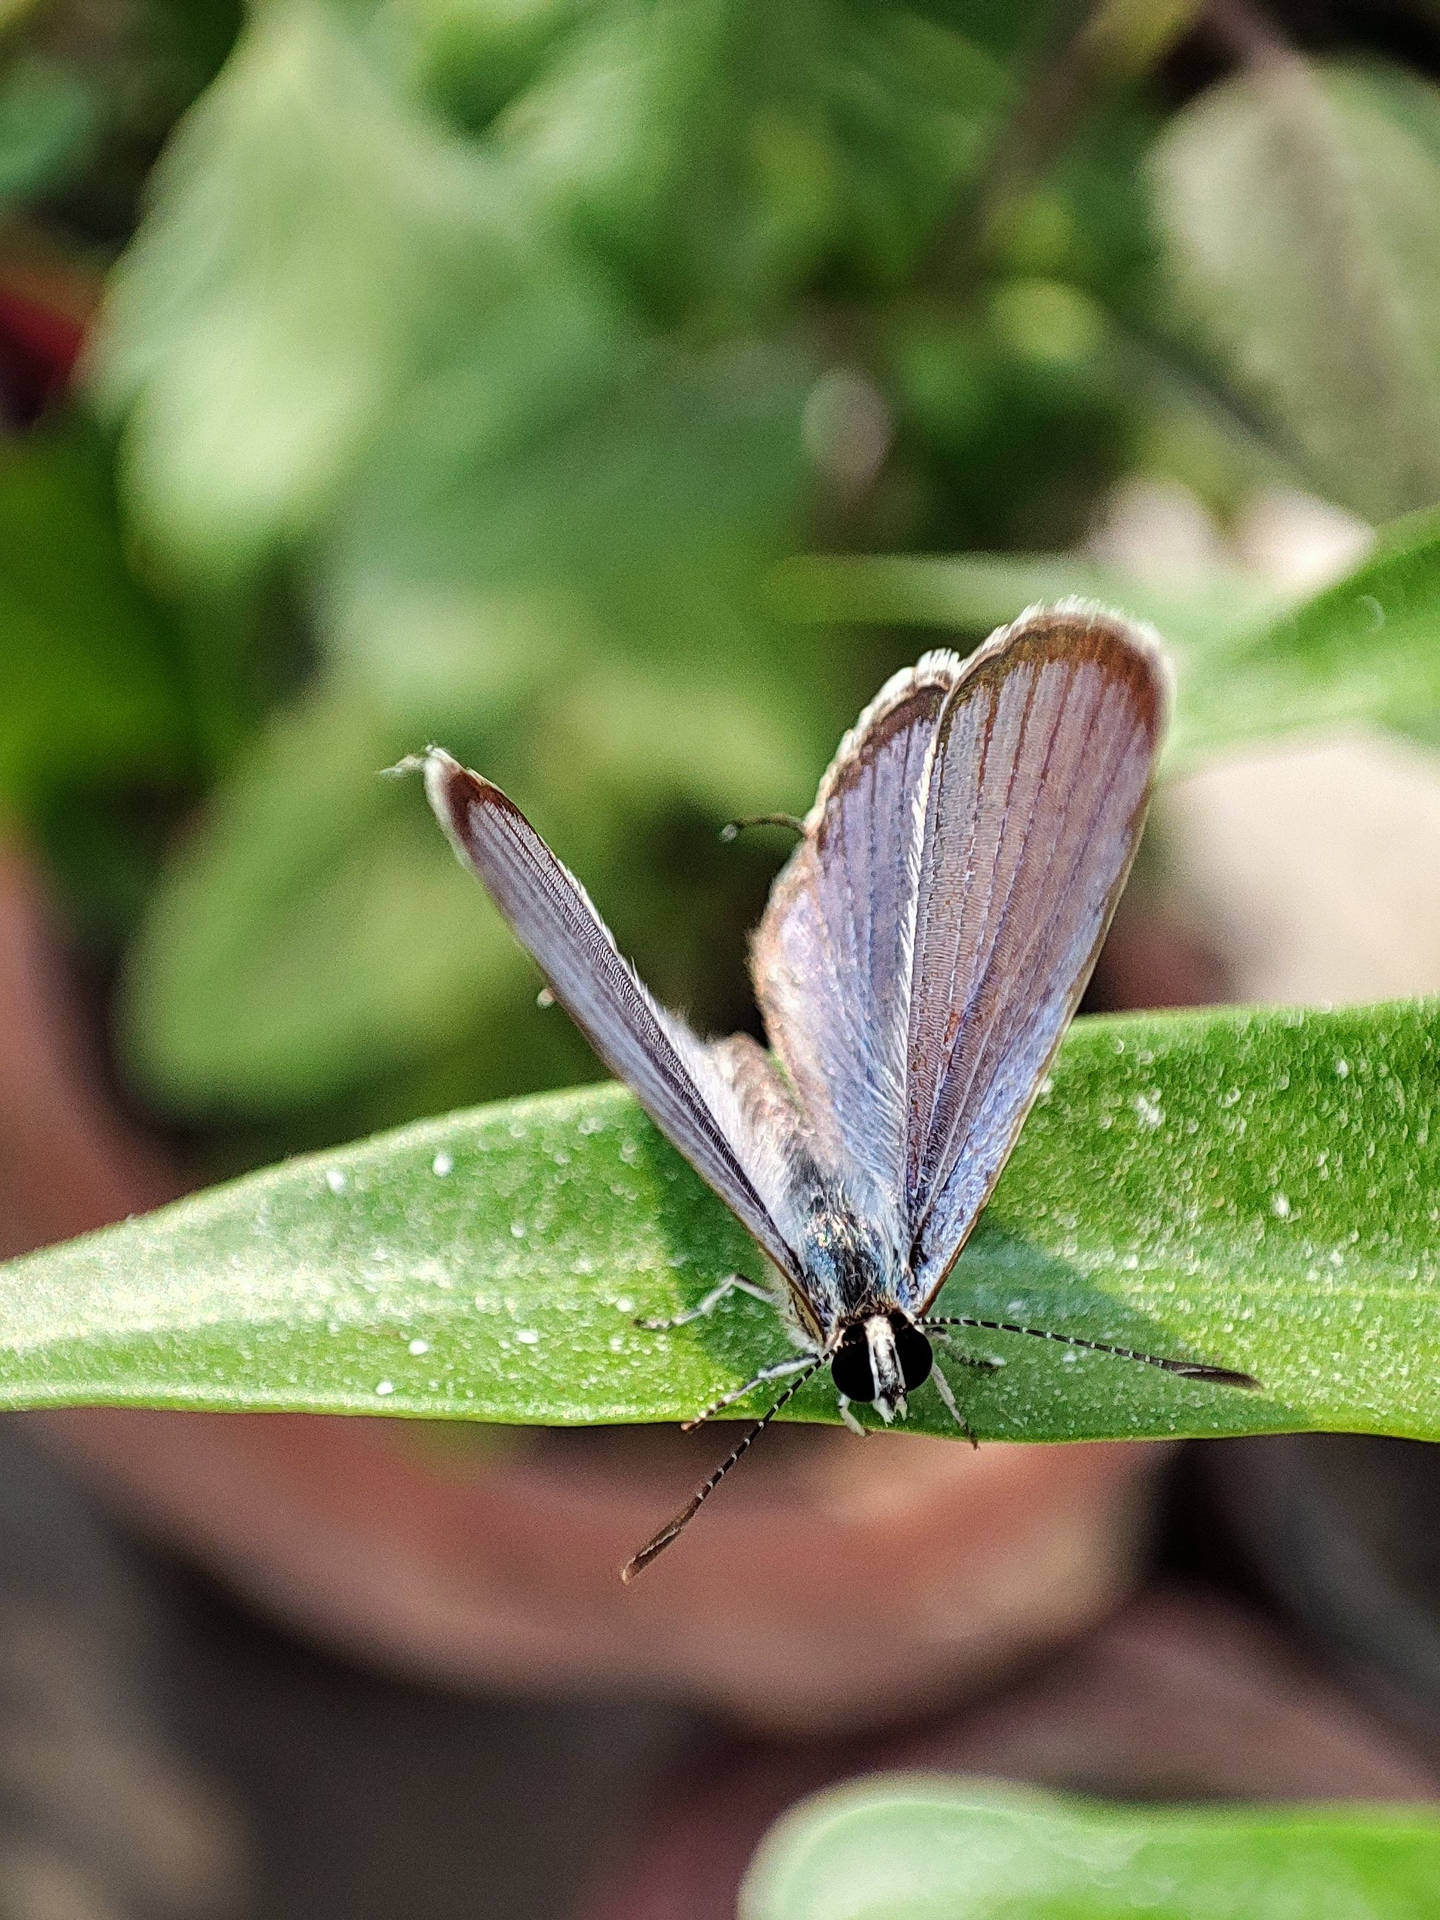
[
  {"x": 1187, "y": 1369},
  {"x": 674, "y": 1528},
  {"x": 734, "y": 828}
]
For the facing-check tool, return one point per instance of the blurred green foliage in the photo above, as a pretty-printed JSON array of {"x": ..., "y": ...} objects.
[{"x": 478, "y": 369}]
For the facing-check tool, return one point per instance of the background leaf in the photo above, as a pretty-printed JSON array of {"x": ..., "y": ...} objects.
[
  {"x": 1363, "y": 650},
  {"x": 1301, "y": 205},
  {"x": 1250, "y": 667},
  {"x": 929, "y": 1849},
  {"x": 973, "y": 592},
  {"x": 1256, "y": 1190},
  {"x": 314, "y": 250},
  {"x": 91, "y": 682}
]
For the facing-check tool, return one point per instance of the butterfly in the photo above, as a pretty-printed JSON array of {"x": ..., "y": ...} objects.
[{"x": 916, "y": 966}]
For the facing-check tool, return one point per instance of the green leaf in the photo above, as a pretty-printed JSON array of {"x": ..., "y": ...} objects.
[
  {"x": 314, "y": 934},
  {"x": 315, "y": 246},
  {"x": 930, "y": 1849},
  {"x": 720, "y": 157},
  {"x": 49, "y": 116},
  {"x": 91, "y": 679},
  {"x": 1256, "y": 1190},
  {"x": 313, "y": 921},
  {"x": 1361, "y": 651},
  {"x": 489, "y": 556},
  {"x": 1250, "y": 667},
  {"x": 973, "y": 592},
  {"x": 1301, "y": 206}
]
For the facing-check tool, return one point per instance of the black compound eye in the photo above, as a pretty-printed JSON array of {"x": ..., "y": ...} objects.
[
  {"x": 912, "y": 1350},
  {"x": 850, "y": 1369}
]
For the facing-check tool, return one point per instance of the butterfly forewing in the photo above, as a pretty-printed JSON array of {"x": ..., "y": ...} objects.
[
  {"x": 832, "y": 958},
  {"x": 1037, "y": 785},
  {"x": 703, "y": 1102}
]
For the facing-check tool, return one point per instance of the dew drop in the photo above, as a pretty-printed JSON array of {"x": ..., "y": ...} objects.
[
  {"x": 442, "y": 1164},
  {"x": 527, "y": 1337},
  {"x": 1280, "y": 1206},
  {"x": 382, "y": 1387},
  {"x": 336, "y": 1179},
  {"x": 417, "y": 1347}
]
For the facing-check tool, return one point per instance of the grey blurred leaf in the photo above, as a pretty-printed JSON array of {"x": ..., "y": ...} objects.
[{"x": 1301, "y": 207}]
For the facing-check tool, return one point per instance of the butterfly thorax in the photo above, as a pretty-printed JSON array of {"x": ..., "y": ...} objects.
[
  {"x": 852, "y": 1282},
  {"x": 849, "y": 1269}
]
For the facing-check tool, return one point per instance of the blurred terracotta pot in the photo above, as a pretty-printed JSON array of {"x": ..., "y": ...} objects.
[
  {"x": 1179, "y": 1697},
  {"x": 848, "y": 1583}
]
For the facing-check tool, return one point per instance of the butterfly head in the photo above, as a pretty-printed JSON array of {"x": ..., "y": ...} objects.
[{"x": 880, "y": 1357}]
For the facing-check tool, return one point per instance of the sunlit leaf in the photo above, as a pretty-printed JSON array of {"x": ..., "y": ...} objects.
[
  {"x": 926, "y": 1848},
  {"x": 1360, "y": 651},
  {"x": 1252, "y": 1190}
]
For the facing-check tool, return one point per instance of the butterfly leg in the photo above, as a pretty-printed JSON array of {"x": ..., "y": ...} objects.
[
  {"x": 732, "y": 1283},
  {"x": 952, "y": 1405},
  {"x": 777, "y": 1372},
  {"x": 850, "y": 1418}
]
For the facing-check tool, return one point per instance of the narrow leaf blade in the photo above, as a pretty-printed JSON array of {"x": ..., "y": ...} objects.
[{"x": 1255, "y": 1190}]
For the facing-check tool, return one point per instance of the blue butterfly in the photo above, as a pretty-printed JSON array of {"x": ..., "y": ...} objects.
[{"x": 918, "y": 962}]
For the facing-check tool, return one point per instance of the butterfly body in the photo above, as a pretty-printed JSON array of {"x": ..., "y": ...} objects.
[
  {"x": 919, "y": 960},
  {"x": 847, "y": 1308}
]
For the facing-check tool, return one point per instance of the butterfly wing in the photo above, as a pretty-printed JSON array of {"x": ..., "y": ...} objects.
[
  {"x": 708, "y": 1102},
  {"x": 832, "y": 957},
  {"x": 924, "y": 951},
  {"x": 1039, "y": 781}
]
